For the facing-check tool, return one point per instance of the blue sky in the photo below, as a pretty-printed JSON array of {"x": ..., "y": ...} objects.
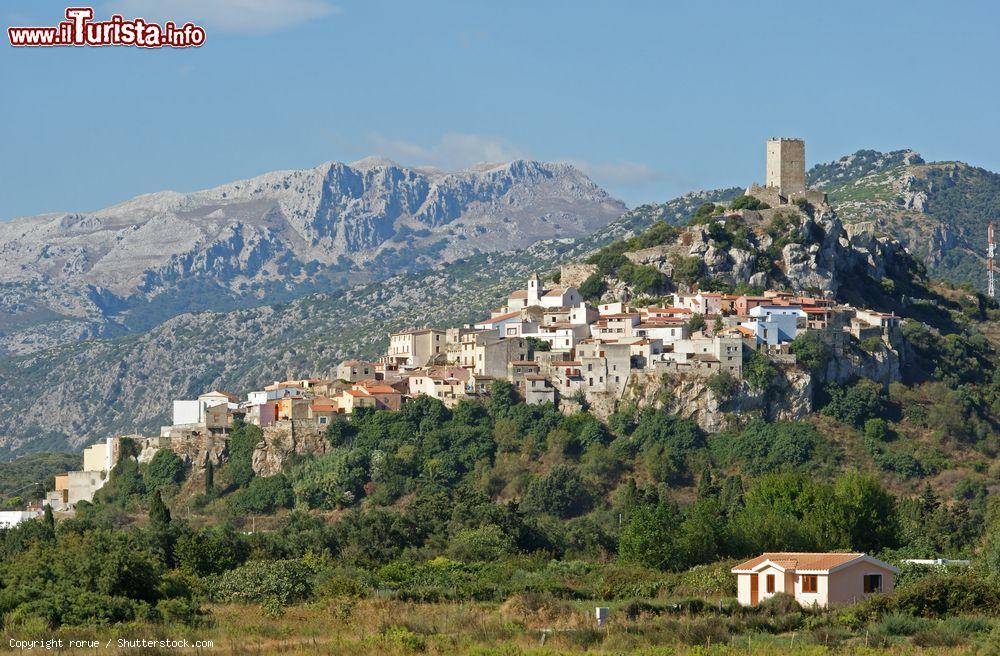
[{"x": 652, "y": 99}]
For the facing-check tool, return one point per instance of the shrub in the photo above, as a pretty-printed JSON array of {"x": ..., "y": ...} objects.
[
  {"x": 561, "y": 493},
  {"x": 759, "y": 372},
  {"x": 939, "y": 636},
  {"x": 593, "y": 287},
  {"x": 280, "y": 582},
  {"x": 722, "y": 384},
  {"x": 748, "y": 203},
  {"x": 485, "y": 543},
  {"x": 900, "y": 624},
  {"x": 164, "y": 469},
  {"x": 949, "y": 594},
  {"x": 263, "y": 495}
]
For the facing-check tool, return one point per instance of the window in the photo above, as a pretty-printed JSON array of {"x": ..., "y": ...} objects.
[
  {"x": 873, "y": 583},
  {"x": 770, "y": 582},
  {"x": 810, "y": 583},
  {"x": 322, "y": 420}
]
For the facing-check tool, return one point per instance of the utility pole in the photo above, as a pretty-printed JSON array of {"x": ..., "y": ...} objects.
[{"x": 990, "y": 254}]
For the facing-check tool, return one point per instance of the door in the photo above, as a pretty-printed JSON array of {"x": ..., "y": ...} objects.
[{"x": 753, "y": 589}]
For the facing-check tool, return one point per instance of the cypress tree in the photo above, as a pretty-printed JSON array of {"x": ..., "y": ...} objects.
[
  {"x": 209, "y": 477},
  {"x": 159, "y": 514}
]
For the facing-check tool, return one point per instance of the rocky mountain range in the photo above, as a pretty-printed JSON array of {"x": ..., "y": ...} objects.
[{"x": 275, "y": 237}]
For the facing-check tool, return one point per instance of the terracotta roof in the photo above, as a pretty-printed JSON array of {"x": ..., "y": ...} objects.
[
  {"x": 354, "y": 363},
  {"x": 558, "y": 291},
  {"x": 381, "y": 389},
  {"x": 323, "y": 404},
  {"x": 820, "y": 562},
  {"x": 356, "y": 393},
  {"x": 520, "y": 293},
  {"x": 566, "y": 363},
  {"x": 816, "y": 310},
  {"x": 534, "y": 377}
]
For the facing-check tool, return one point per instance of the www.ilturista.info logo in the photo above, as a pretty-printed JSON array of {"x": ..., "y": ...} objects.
[{"x": 79, "y": 29}]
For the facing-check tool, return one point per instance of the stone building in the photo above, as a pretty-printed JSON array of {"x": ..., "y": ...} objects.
[{"x": 786, "y": 165}]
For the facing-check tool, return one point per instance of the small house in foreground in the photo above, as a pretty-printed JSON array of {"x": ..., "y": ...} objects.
[{"x": 823, "y": 579}]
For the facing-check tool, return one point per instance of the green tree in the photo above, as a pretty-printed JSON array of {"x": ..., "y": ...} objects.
[
  {"x": 855, "y": 404},
  {"x": 748, "y": 203},
  {"x": 561, "y": 492},
  {"x": 209, "y": 477},
  {"x": 164, "y": 469},
  {"x": 159, "y": 514},
  {"x": 759, "y": 371},
  {"x": 593, "y": 288},
  {"x": 867, "y": 513},
  {"x": 243, "y": 439},
  {"x": 723, "y": 385},
  {"x": 810, "y": 352},
  {"x": 649, "y": 538},
  {"x": 696, "y": 322}
]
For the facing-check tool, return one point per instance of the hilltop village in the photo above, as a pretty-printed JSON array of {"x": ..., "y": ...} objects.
[{"x": 554, "y": 347}]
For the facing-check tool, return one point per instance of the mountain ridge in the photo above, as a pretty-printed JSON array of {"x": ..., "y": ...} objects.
[{"x": 270, "y": 238}]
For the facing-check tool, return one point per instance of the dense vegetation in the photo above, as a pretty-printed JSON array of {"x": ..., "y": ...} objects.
[{"x": 489, "y": 501}]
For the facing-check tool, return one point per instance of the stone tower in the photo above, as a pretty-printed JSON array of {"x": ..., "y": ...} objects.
[{"x": 786, "y": 165}]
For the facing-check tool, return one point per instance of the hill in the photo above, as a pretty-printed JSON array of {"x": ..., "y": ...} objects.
[
  {"x": 939, "y": 210},
  {"x": 272, "y": 238}
]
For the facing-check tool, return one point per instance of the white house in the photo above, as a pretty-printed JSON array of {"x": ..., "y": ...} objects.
[{"x": 776, "y": 324}]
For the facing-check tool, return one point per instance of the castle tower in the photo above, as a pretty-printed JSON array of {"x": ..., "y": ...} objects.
[
  {"x": 533, "y": 290},
  {"x": 786, "y": 165}
]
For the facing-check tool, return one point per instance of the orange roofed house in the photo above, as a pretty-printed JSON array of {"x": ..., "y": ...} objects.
[{"x": 823, "y": 579}]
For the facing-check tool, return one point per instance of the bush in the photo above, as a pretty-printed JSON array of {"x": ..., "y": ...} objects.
[
  {"x": 722, "y": 384},
  {"x": 561, "y": 493},
  {"x": 485, "y": 543},
  {"x": 280, "y": 582},
  {"x": 164, "y": 469},
  {"x": 748, "y": 203},
  {"x": 593, "y": 287},
  {"x": 780, "y": 603},
  {"x": 949, "y": 594},
  {"x": 759, "y": 371},
  {"x": 263, "y": 495},
  {"x": 900, "y": 624},
  {"x": 855, "y": 404}
]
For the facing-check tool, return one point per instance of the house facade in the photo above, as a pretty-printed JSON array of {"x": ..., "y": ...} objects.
[{"x": 820, "y": 579}]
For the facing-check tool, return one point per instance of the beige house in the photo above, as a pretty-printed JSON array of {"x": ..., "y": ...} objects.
[
  {"x": 416, "y": 347},
  {"x": 486, "y": 354},
  {"x": 354, "y": 370},
  {"x": 821, "y": 579}
]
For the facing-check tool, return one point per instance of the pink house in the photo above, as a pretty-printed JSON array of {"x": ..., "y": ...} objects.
[{"x": 823, "y": 579}]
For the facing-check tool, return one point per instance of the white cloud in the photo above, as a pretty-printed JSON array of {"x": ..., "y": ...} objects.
[
  {"x": 455, "y": 150},
  {"x": 227, "y": 15}
]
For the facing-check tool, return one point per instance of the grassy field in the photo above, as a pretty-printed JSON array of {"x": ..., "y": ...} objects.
[{"x": 529, "y": 625}]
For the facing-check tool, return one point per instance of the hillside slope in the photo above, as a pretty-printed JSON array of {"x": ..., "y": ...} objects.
[{"x": 272, "y": 238}]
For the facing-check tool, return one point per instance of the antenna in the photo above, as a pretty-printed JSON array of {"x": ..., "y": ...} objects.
[{"x": 990, "y": 253}]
